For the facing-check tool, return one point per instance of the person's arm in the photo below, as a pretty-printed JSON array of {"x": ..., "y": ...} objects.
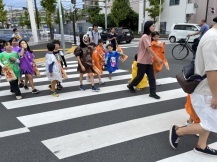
[
  {"x": 154, "y": 54},
  {"x": 21, "y": 52},
  {"x": 80, "y": 63}
]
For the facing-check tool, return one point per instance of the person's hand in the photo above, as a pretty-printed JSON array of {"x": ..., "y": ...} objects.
[
  {"x": 189, "y": 35},
  {"x": 214, "y": 102},
  {"x": 13, "y": 59},
  {"x": 82, "y": 68},
  {"x": 51, "y": 74}
]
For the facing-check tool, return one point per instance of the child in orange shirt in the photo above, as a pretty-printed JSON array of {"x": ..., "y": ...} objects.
[
  {"x": 97, "y": 62},
  {"x": 100, "y": 49},
  {"x": 159, "y": 48}
]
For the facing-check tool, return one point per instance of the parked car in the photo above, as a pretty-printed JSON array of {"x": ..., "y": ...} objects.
[
  {"x": 181, "y": 30},
  {"x": 123, "y": 34},
  {"x": 6, "y": 35}
]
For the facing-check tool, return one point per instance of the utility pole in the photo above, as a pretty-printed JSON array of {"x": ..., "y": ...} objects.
[
  {"x": 73, "y": 16},
  {"x": 159, "y": 14},
  {"x": 207, "y": 6},
  {"x": 32, "y": 20},
  {"x": 61, "y": 26},
  {"x": 36, "y": 14},
  {"x": 106, "y": 3},
  {"x": 141, "y": 15}
]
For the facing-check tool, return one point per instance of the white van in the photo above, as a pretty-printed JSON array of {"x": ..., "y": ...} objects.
[
  {"x": 100, "y": 29},
  {"x": 181, "y": 30}
]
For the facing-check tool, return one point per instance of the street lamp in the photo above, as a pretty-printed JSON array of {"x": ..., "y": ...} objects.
[{"x": 159, "y": 14}]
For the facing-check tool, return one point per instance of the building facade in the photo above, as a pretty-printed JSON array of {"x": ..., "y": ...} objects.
[{"x": 183, "y": 11}]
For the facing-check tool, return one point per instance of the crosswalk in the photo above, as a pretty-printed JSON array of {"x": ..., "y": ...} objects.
[{"x": 113, "y": 117}]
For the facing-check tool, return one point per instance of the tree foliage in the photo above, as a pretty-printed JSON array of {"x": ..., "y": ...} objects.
[
  {"x": 27, "y": 19},
  {"x": 131, "y": 20},
  {"x": 49, "y": 7},
  {"x": 93, "y": 13},
  {"x": 3, "y": 13},
  {"x": 154, "y": 9},
  {"x": 21, "y": 21},
  {"x": 119, "y": 11}
]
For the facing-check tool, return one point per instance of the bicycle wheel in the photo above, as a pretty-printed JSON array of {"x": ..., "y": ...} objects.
[{"x": 180, "y": 52}]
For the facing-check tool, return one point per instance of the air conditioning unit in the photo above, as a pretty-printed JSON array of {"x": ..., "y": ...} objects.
[{"x": 195, "y": 5}]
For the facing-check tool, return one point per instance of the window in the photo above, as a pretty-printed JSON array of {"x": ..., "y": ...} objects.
[
  {"x": 191, "y": 28},
  {"x": 174, "y": 2},
  {"x": 180, "y": 27}
]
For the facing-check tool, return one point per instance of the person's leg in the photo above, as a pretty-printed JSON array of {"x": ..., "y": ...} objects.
[
  {"x": 53, "y": 85},
  {"x": 30, "y": 78},
  {"x": 81, "y": 87},
  {"x": 15, "y": 88},
  {"x": 194, "y": 47},
  {"x": 92, "y": 82},
  {"x": 26, "y": 81},
  {"x": 195, "y": 129},
  {"x": 151, "y": 81}
]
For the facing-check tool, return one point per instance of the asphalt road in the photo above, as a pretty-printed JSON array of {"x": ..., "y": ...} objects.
[{"x": 109, "y": 126}]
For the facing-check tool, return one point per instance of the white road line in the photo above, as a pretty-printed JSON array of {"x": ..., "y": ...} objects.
[
  {"x": 71, "y": 95},
  {"x": 81, "y": 142},
  {"x": 191, "y": 156},
  {"x": 42, "y": 79},
  {"x": 96, "y": 108},
  {"x": 73, "y": 65},
  {"x": 67, "y": 84},
  {"x": 14, "y": 132}
]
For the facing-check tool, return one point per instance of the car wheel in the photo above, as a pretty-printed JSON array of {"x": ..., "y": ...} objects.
[
  {"x": 128, "y": 41},
  {"x": 172, "y": 39}
]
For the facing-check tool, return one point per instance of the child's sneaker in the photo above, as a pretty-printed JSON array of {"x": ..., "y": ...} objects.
[
  {"x": 54, "y": 94},
  {"x": 173, "y": 137},
  {"x": 82, "y": 88},
  {"x": 59, "y": 87},
  {"x": 26, "y": 87},
  {"x": 35, "y": 91},
  {"x": 95, "y": 89},
  {"x": 18, "y": 97},
  {"x": 207, "y": 151}
]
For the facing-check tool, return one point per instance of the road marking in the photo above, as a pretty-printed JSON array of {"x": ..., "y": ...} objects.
[
  {"x": 14, "y": 132},
  {"x": 67, "y": 84},
  {"x": 81, "y": 142},
  {"x": 191, "y": 156},
  {"x": 71, "y": 95},
  {"x": 3, "y": 84},
  {"x": 96, "y": 108},
  {"x": 44, "y": 68}
]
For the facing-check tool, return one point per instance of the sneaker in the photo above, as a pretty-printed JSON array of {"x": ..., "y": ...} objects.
[
  {"x": 25, "y": 87},
  {"x": 18, "y": 97},
  {"x": 59, "y": 87},
  {"x": 154, "y": 96},
  {"x": 101, "y": 82},
  {"x": 49, "y": 86},
  {"x": 82, "y": 88},
  {"x": 88, "y": 79},
  {"x": 95, "y": 89},
  {"x": 54, "y": 94},
  {"x": 21, "y": 85},
  {"x": 35, "y": 91},
  {"x": 207, "y": 151},
  {"x": 132, "y": 90},
  {"x": 173, "y": 137}
]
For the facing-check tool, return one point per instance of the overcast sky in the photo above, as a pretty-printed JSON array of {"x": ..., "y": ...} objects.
[{"x": 19, "y": 4}]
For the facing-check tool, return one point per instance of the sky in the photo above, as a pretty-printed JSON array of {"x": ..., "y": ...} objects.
[{"x": 19, "y": 4}]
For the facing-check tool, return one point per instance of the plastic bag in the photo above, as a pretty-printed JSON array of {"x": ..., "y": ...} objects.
[{"x": 9, "y": 74}]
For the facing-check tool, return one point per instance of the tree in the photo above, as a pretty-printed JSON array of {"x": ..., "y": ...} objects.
[
  {"x": 26, "y": 19},
  {"x": 50, "y": 7},
  {"x": 119, "y": 11},
  {"x": 3, "y": 13},
  {"x": 131, "y": 20},
  {"x": 21, "y": 21},
  {"x": 154, "y": 9},
  {"x": 93, "y": 13}
]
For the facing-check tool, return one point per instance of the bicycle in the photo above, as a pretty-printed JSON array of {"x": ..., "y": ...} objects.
[{"x": 181, "y": 50}]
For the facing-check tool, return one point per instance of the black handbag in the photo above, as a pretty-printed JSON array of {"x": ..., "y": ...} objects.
[{"x": 188, "y": 80}]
